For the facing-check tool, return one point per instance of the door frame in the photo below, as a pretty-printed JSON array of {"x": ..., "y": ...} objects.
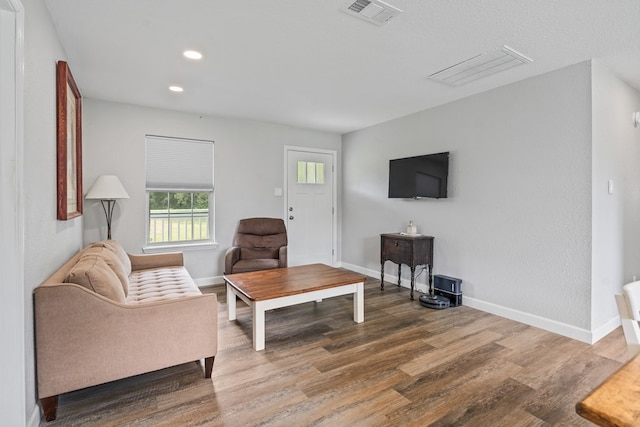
[
  {"x": 13, "y": 398},
  {"x": 334, "y": 190}
]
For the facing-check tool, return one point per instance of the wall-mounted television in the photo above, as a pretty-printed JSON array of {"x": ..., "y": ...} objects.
[{"x": 419, "y": 176}]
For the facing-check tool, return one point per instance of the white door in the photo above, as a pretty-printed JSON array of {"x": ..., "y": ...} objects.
[{"x": 310, "y": 212}]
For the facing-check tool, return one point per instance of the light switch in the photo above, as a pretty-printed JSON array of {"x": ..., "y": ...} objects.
[
  {"x": 610, "y": 186},
  {"x": 277, "y": 192}
]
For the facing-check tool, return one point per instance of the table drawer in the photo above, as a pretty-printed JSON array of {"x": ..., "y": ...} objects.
[{"x": 397, "y": 251}]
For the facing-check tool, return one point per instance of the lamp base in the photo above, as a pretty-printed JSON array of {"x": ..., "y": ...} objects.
[{"x": 108, "y": 212}]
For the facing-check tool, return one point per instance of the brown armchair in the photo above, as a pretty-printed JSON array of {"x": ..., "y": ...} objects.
[{"x": 259, "y": 244}]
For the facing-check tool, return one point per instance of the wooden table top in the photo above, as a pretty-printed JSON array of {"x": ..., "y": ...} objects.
[
  {"x": 281, "y": 282},
  {"x": 615, "y": 402},
  {"x": 406, "y": 236}
]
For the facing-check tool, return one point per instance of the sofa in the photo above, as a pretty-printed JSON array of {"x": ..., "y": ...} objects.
[{"x": 107, "y": 315}]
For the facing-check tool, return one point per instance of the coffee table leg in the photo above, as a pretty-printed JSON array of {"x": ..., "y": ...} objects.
[
  {"x": 258, "y": 326},
  {"x": 358, "y": 303},
  {"x": 231, "y": 303}
]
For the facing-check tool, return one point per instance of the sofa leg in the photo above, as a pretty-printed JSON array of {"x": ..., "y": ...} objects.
[
  {"x": 208, "y": 366},
  {"x": 49, "y": 407}
]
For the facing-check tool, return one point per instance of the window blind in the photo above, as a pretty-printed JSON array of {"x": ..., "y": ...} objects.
[{"x": 179, "y": 164}]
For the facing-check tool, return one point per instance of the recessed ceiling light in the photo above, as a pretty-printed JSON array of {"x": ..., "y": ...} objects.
[
  {"x": 192, "y": 54},
  {"x": 175, "y": 89}
]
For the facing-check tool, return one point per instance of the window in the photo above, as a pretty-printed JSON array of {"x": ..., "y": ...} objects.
[
  {"x": 179, "y": 188},
  {"x": 310, "y": 172},
  {"x": 178, "y": 216}
]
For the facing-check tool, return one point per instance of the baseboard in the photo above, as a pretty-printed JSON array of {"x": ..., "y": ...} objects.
[
  {"x": 388, "y": 278},
  {"x": 605, "y": 329},
  {"x": 570, "y": 331},
  {"x": 34, "y": 419},
  {"x": 209, "y": 281},
  {"x": 550, "y": 325}
]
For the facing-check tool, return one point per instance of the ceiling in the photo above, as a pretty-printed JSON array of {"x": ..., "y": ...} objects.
[{"x": 306, "y": 63}]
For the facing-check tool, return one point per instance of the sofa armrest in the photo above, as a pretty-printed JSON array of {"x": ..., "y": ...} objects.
[
  {"x": 84, "y": 339},
  {"x": 147, "y": 261},
  {"x": 231, "y": 257},
  {"x": 283, "y": 257}
]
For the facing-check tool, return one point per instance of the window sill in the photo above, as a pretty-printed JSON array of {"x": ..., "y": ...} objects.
[{"x": 179, "y": 247}]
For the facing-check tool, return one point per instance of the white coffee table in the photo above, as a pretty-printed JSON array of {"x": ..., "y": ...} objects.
[{"x": 282, "y": 287}]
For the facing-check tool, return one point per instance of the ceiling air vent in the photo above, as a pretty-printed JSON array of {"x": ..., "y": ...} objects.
[
  {"x": 480, "y": 66},
  {"x": 374, "y": 11}
]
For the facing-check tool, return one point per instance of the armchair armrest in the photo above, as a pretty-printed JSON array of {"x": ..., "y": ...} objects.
[
  {"x": 147, "y": 261},
  {"x": 283, "y": 257},
  {"x": 231, "y": 257}
]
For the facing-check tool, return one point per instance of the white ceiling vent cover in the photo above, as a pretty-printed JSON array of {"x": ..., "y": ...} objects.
[
  {"x": 480, "y": 66},
  {"x": 374, "y": 11}
]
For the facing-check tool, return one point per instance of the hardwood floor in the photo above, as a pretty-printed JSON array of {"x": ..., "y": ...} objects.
[{"x": 405, "y": 365}]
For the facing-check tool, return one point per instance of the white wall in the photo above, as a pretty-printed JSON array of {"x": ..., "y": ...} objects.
[
  {"x": 48, "y": 242},
  {"x": 616, "y": 225},
  {"x": 517, "y": 224},
  {"x": 12, "y": 306},
  {"x": 248, "y": 166}
]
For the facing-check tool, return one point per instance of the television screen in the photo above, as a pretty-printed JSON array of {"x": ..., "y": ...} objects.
[{"x": 419, "y": 176}]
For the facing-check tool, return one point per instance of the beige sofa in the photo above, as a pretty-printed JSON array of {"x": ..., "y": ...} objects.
[{"x": 106, "y": 315}]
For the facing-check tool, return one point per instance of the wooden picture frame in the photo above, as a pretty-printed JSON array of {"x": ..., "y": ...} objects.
[{"x": 69, "y": 144}]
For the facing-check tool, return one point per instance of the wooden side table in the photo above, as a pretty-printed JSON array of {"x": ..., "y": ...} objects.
[{"x": 406, "y": 249}]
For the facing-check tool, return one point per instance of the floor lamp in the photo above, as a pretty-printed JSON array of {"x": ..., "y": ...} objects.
[{"x": 108, "y": 189}]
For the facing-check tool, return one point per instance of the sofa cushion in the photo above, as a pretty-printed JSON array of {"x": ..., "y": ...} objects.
[
  {"x": 92, "y": 272},
  {"x": 110, "y": 258},
  {"x": 245, "y": 265},
  {"x": 260, "y": 233},
  {"x": 119, "y": 251},
  {"x": 259, "y": 253},
  {"x": 158, "y": 284}
]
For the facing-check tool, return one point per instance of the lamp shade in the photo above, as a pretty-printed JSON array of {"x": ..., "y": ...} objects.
[{"x": 107, "y": 187}]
